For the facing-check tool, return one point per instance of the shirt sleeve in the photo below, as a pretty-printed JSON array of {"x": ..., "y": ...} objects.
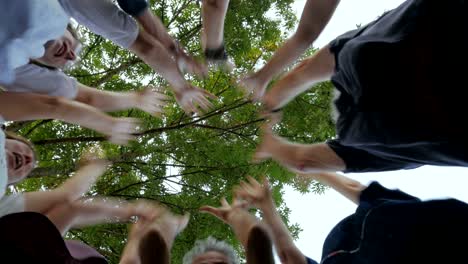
[
  {"x": 103, "y": 18},
  {"x": 32, "y": 78},
  {"x": 133, "y": 7},
  {"x": 376, "y": 192},
  {"x": 360, "y": 160},
  {"x": 11, "y": 204}
]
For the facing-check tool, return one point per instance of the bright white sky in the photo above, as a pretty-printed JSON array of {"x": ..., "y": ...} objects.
[{"x": 318, "y": 214}]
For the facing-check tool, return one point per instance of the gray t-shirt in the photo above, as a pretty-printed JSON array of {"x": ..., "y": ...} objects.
[
  {"x": 24, "y": 28},
  {"x": 103, "y": 18},
  {"x": 36, "y": 79},
  {"x": 10, "y": 204}
]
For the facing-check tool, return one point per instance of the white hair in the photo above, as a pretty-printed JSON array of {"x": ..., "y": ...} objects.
[{"x": 211, "y": 244}]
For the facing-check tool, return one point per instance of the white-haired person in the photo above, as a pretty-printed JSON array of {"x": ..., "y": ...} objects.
[
  {"x": 399, "y": 98},
  {"x": 211, "y": 250},
  {"x": 156, "y": 239}
]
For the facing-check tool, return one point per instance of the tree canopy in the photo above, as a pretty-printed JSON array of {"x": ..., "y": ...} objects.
[{"x": 180, "y": 161}]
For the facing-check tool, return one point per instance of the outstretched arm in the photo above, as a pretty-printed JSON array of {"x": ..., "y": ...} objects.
[
  {"x": 189, "y": 97},
  {"x": 315, "y": 17},
  {"x": 147, "y": 100},
  {"x": 97, "y": 210},
  {"x": 70, "y": 191},
  {"x": 349, "y": 188},
  {"x": 259, "y": 196},
  {"x": 317, "y": 68},
  {"x": 299, "y": 158},
  {"x": 31, "y": 106},
  {"x": 153, "y": 25}
]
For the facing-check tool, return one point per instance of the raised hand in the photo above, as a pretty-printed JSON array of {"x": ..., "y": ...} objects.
[
  {"x": 193, "y": 99},
  {"x": 151, "y": 100},
  {"x": 256, "y": 194},
  {"x": 226, "y": 210},
  {"x": 252, "y": 87},
  {"x": 121, "y": 130}
]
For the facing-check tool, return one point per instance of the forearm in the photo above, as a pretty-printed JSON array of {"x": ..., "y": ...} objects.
[
  {"x": 305, "y": 157},
  {"x": 130, "y": 253},
  {"x": 157, "y": 57},
  {"x": 284, "y": 243},
  {"x": 67, "y": 193},
  {"x": 29, "y": 106},
  {"x": 82, "y": 213},
  {"x": 105, "y": 100},
  {"x": 213, "y": 13},
  {"x": 349, "y": 188},
  {"x": 315, "y": 17},
  {"x": 42, "y": 201},
  {"x": 313, "y": 70},
  {"x": 241, "y": 223},
  {"x": 153, "y": 25},
  {"x": 80, "y": 183},
  {"x": 102, "y": 211}
]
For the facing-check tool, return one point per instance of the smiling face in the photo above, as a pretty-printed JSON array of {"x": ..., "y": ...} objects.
[
  {"x": 20, "y": 160},
  {"x": 211, "y": 257},
  {"x": 60, "y": 51}
]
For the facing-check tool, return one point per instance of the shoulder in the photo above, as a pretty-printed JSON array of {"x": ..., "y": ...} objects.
[
  {"x": 35, "y": 71},
  {"x": 37, "y": 79},
  {"x": 376, "y": 192}
]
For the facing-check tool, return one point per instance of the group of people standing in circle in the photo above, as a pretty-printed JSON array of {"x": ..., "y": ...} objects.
[{"x": 399, "y": 104}]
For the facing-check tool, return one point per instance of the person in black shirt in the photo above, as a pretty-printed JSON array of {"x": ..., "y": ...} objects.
[
  {"x": 400, "y": 94},
  {"x": 388, "y": 226}
]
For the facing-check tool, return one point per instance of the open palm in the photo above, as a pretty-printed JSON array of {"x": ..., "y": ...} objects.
[
  {"x": 254, "y": 193},
  {"x": 193, "y": 99}
]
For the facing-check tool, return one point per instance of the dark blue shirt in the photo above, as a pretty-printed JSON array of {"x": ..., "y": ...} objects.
[
  {"x": 392, "y": 227},
  {"x": 133, "y": 7},
  {"x": 402, "y": 97}
]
